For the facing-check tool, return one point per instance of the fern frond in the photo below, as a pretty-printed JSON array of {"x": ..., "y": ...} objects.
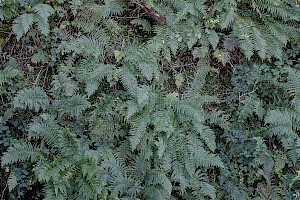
[
  {"x": 114, "y": 166},
  {"x": 242, "y": 32},
  {"x": 260, "y": 43},
  {"x": 22, "y": 24},
  {"x": 282, "y": 118},
  {"x": 162, "y": 121},
  {"x": 42, "y": 25},
  {"x": 95, "y": 45},
  {"x": 63, "y": 85},
  {"x": 158, "y": 178},
  {"x": 43, "y": 10},
  {"x": 8, "y": 76},
  {"x": 207, "y": 135},
  {"x": 139, "y": 126},
  {"x": 195, "y": 88},
  {"x": 20, "y": 152},
  {"x": 277, "y": 9},
  {"x": 294, "y": 83},
  {"x": 45, "y": 128},
  {"x": 129, "y": 81},
  {"x": 33, "y": 98},
  {"x": 124, "y": 186},
  {"x": 12, "y": 181},
  {"x": 51, "y": 193},
  {"x": 188, "y": 112},
  {"x": 111, "y": 7},
  {"x": 201, "y": 156},
  {"x": 228, "y": 17},
  {"x": 96, "y": 76},
  {"x": 204, "y": 189},
  {"x": 73, "y": 106}
]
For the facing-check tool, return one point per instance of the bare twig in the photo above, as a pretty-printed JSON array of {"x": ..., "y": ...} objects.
[
  {"x": 2, "y": 194},
  {"x": 150, "y": 11},
  {"x": 246, "y": 94}
]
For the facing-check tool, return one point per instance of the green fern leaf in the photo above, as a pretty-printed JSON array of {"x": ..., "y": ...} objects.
[
  {"x": 22, "y": 24},
  {"x": 32, "y": 98},
  {"x": 260, "y": 43},
  {"x": 207, "y": 135},
  {"x": 73, "y": 106},
  {"x": 96, "y": 76},
  {"x": 42, "y": 25},
  {"x": 63, "y": 85},
  {"x": 213, "y": 38},
  {"x": 228, "y": 18},
  {"x": 208, "y": 190},
  {"x": 20, "y": 152},
  {"x": 8, "y": 75},
  {"x": 45, "y": 128},
  {"x": 129, "y": 81},
  {"x": 195, "y": 87},
  {"x": 294, "y": 83},
  {"x": 12, "y": 181},
  {"x": 44, "y": 11},
  {"x": 138, "y": 130}
]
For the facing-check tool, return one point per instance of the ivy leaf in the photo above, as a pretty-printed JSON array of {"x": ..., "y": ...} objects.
[
  {"x": 118, "y": 55},
  {"x": 179, "y": 79},
  {"x": 222, "y": 56}
]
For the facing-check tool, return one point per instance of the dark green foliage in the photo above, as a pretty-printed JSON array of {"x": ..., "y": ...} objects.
[{"x": 149, "y": 99}]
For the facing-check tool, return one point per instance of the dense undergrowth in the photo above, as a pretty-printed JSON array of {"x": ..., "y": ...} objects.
[{"x": 150, "y": 99}]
